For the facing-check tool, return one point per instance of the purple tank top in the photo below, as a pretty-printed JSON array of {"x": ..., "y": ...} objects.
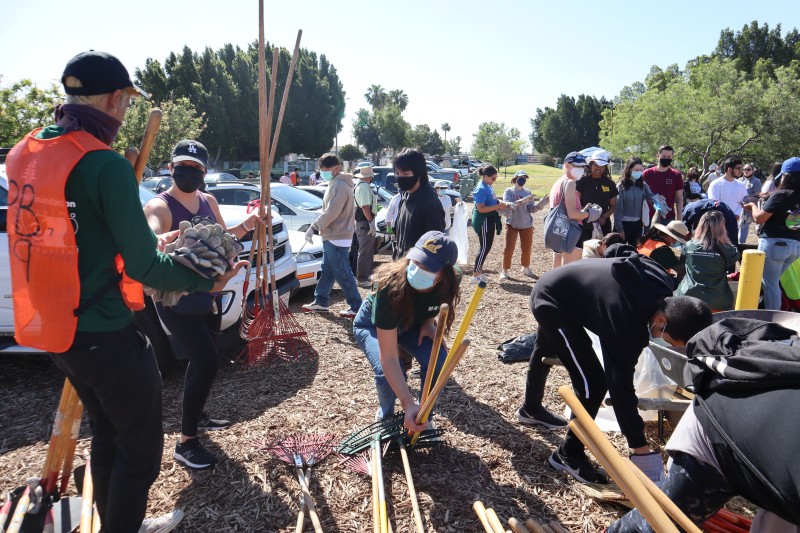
[{"x": 180, "y": 213}]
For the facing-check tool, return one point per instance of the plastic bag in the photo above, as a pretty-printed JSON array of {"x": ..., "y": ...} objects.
[{"x": 458, "y": 232}]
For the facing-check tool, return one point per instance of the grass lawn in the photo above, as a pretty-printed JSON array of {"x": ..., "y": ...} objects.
[{"x": 541, "y": 178}]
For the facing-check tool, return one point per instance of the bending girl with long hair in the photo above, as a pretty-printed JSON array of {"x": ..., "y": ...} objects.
[
  {"x": 707, "y": 258},
  {"x": 400, "y": 313}
]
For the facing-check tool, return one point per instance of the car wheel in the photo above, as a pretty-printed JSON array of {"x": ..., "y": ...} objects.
[{"x": 148, "y": 323}]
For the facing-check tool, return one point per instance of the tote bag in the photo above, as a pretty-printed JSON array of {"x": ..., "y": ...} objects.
[{"x": 561, "y": 233}]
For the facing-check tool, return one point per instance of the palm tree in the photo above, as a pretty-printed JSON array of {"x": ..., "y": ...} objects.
[
  {"x": 376, "y": 96},
  {"x": 445, "y": 129},
  {"x": 399, "y": 98}
]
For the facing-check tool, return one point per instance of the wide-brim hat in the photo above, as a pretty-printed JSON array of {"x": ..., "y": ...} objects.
[
  {"x": 366, "y": 172},
  {"x": 675, "y": 229}
]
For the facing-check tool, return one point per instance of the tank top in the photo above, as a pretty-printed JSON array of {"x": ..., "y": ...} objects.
[
  {"x": 557, "y": 190},
  {"x": 180, "y": 213}
]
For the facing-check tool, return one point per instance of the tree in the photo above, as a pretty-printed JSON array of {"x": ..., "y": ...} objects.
[
  {"x": 496, "y": 143},
  {"x": 348, "y": 152},
  {"x": 453, "y": 146},
  {"x": 376, "y": 97},
  {"x": 366, "y": 132},
  {"x": 427, "y": 141},
  {"x": 572, "y": 125},
  {"x": 399, "y": 98},
  {"x": 445, "y": 129},
  {"x": 393, "y": 130},
  {"x": 24, "y": 107},
  {"x": 180, "y": 120},
  {"x": 754, "y": 43}
]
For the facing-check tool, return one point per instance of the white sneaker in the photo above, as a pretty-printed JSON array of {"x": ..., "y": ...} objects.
[
  {"x": 163, "y": 523},
  {"x": 315, "y": 307},
  {"x": 528, "y": 272},
  {"x": 504, "y": 274}
]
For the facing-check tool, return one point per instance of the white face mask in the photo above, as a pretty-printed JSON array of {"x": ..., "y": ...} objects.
[{"x": 576, "y": 172}]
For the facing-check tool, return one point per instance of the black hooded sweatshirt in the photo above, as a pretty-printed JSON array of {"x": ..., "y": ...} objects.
[
  {"x": 420, "y": 211},
  {"x": 614, "y": 299}
]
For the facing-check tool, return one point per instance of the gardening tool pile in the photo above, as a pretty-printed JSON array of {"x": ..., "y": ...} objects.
[
  {"x": 725, "y": 521},
  {"x": 303, "y": 451},
  {"x": 491, "y": 522},
  {"x": 272, "y": 333}
]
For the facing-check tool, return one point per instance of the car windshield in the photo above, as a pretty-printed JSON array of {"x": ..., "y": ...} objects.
[
  {"x": 297, "y": 198},
  {"x": 145, "y": 195},
  {"x": 150, "y": 183}
]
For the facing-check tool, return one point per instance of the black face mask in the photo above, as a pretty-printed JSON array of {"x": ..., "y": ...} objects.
[
  {"x": 405, "y": 183},
  {"x": 665, "y": 161},
  {"x": 521, "y": 181},
  {"x": 186, "y": 178}
]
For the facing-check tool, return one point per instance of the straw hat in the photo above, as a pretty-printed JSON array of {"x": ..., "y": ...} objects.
[{"x": 675, "y": 229}]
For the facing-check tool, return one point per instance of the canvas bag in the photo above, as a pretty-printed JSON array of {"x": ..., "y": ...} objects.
[{"x": 561, "y": 233}]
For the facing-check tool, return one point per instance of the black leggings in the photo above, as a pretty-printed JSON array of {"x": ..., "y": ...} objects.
[
  {"x": 633, "y": 230},
  {"x": 486, "y": 239},
  {"x": 193, "y": 334}
]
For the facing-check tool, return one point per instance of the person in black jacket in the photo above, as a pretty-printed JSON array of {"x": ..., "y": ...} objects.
[
  {"x": 736, "y": 437},
  {"x": 420, "y": 208},
  {"x": 621, "y": 300}
]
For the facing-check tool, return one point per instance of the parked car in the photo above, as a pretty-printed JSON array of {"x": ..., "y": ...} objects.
[
  {"x": 362, "y": 164},
  {"x": 384, "y": 194},
  {"x": 219, "y": 177},
  {"x": 298, "y": 208},
  {"x": 147, "y": 320},
  {"x": 157, "y": 184},
  {"x": 436, "y": 173},
  {"x": 308, "y": 258}
]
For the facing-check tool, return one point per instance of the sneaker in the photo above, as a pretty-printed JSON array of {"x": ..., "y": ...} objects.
[
  {"x": 192, "y": 454},
  {"x": 348, "y": 313},
  {"x": 212, "y": 424},
  {"x": 314, "y": 307},
  {"x": 579, "y": 467},
  {"x": 364, "y": 284},
  {"x": 504, "y": 274},
  {"x": 163, "y": 523},
  {"x": 543, "y": 417},
  {"x": 528, "y": 272}
]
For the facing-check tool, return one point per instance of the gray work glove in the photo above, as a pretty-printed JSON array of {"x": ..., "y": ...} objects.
[
  {"x": 594, "y": 211},
  {"x": 372, "y": 228},
  {"x": 650, "y": 464},
  {"x": 310, "y": 235}
]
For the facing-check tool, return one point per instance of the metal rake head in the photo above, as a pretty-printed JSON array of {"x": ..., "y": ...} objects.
[
  {"x": 362, "y": 439},
  {"x": 311, "y": 447}
]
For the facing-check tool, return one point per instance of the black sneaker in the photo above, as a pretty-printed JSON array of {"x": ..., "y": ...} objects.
[
  {"x": 542, "y": 417},
  {"x": 212, "y": 424},
  {"x": 579, "y": 467},
  {"x": 192, "y": 454}
]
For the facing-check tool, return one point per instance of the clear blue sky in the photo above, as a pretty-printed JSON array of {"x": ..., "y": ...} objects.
[{"x": 462, "y": 62}]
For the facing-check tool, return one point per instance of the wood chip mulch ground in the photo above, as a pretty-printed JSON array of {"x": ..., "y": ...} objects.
[{"x": 487, "y": 455}]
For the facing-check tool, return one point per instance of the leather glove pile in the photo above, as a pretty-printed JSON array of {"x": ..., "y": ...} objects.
[
  {"x": 207, "y": 249},
  {"x": 594, "y": 211}
]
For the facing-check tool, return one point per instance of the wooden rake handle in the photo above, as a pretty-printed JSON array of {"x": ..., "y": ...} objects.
[
  {"x": 480, "y": 510},
  {"x": 441, "y": 321},
  {"x": 149, "y": 137},
  {"x": 309, "y": 501},
  {"x": 411, "y": 490}
]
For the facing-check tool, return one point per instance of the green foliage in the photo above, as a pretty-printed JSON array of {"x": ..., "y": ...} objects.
[
  {"x": 393, "y": 130},
  {"x": 376, "y": 97},
  {"x": 180, "y": 121},
  {"x": 429, "y": 142},
  {"x": 754, "y": 44},
  {"x": 399, "y": 98},
  {"x": 24, "y": 107},
  {"x": 445, "y": 129},
  {"x": 495, "y": 143},
  {"x": 348, "y": 152},
  {"x": 223, "y": 86},
  {"x": 548, "y": 160},
  {"x": 365, "y": 130},
  {"x": 453, "y": 146},
  {"x": 572, "y": 125}
]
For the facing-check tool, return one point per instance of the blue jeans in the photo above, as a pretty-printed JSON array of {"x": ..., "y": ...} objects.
[
  {"x": 367, "y": 339},
  {"x": 336, "y": 267},
  {"x": 780, "y": 254}
]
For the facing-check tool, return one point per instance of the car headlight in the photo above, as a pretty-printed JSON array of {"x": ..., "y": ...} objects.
[{"x": 303, "y": 257}]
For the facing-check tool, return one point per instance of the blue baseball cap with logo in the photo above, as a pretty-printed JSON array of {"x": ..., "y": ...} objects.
[
  {"x": 434, "y": 251},
  {"x": 791, "y": 165},
  {"x": 575, "y": 159}
]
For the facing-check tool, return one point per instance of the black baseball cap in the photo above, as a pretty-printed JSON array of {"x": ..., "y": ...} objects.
[
  {"x": 188, "y": 150},
  {"x": 99, "y": 73},
  {"x": 434, "y": 250}
]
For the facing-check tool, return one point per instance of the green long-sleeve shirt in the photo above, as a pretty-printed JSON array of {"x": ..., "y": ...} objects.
[{"x": 103, "y": 199}]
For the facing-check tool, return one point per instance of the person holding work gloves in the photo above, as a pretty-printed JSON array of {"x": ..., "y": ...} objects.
[
  {"x": 519, "y": 222},
  {"x": 400, "y": 314},
  {"x": 486, "y": 218},
  {"x": 622, "y": 300}
]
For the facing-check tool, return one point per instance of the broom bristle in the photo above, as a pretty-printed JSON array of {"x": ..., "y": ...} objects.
[{"x": 271, "y": 340}]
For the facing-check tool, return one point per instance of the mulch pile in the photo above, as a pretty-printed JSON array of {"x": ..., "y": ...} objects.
[{"x": 487, "y": 455}]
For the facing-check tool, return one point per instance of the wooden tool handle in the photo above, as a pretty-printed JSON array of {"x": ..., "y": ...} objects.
[
  {"x": 301, "y": 516},
  {"x": 149, "y": 137},
  {"x": 20, "y": 511},
  {"x": 533, "y": 526},
  {"x": 411, "y": 491},
  {"x": 480, "y": 510},
  {"x": 441, "y": 320},
  {"x": 494, "y": 521},
  {"x": 376, "y": 506},
  {"x": 444, "y": 375},
  {"x": 312, "y": 509},
  {"x": 87, "y": 499},
  {"x": 516, "y": 526}
]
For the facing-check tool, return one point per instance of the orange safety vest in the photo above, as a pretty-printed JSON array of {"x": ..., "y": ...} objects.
[
  {"x": 650, "y": 246},
  {"x": 41, "y": 240}
]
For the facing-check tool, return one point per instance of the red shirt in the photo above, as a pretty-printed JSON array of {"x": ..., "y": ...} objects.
[
  {"x": 293, "y": 177},
  {"x": 666, "y": 184}
]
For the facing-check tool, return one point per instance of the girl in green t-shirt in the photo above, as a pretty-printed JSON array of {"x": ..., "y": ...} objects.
[{"x": 400, "y": 313}]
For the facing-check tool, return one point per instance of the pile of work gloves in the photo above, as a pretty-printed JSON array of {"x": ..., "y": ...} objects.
[{"x": 205, "y": 248}]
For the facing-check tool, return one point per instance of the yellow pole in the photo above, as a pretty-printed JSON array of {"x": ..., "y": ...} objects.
[{"x": 750, "y": 280}]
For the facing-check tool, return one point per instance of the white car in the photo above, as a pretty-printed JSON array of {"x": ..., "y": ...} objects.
[
  {"x": 147, "y": 320},
  {"x": 308, "y": 258},
  {"x": 298, "y": 208}
]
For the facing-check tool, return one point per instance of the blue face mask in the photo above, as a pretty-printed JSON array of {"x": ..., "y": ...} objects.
[
  {"x": 521, "y": 181},
  {"x": 420, "y": 279},
  {"x": 327, "y": 175},
  {"x": 636, "y": 174},
  {"x": 650, "y": 332}
]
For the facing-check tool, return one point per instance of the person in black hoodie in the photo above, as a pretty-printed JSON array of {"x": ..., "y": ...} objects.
[
  {"x": 621, "y": 300},
  {"x": 738, "y": 436},
  {"x": 420, "y": 209}
]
